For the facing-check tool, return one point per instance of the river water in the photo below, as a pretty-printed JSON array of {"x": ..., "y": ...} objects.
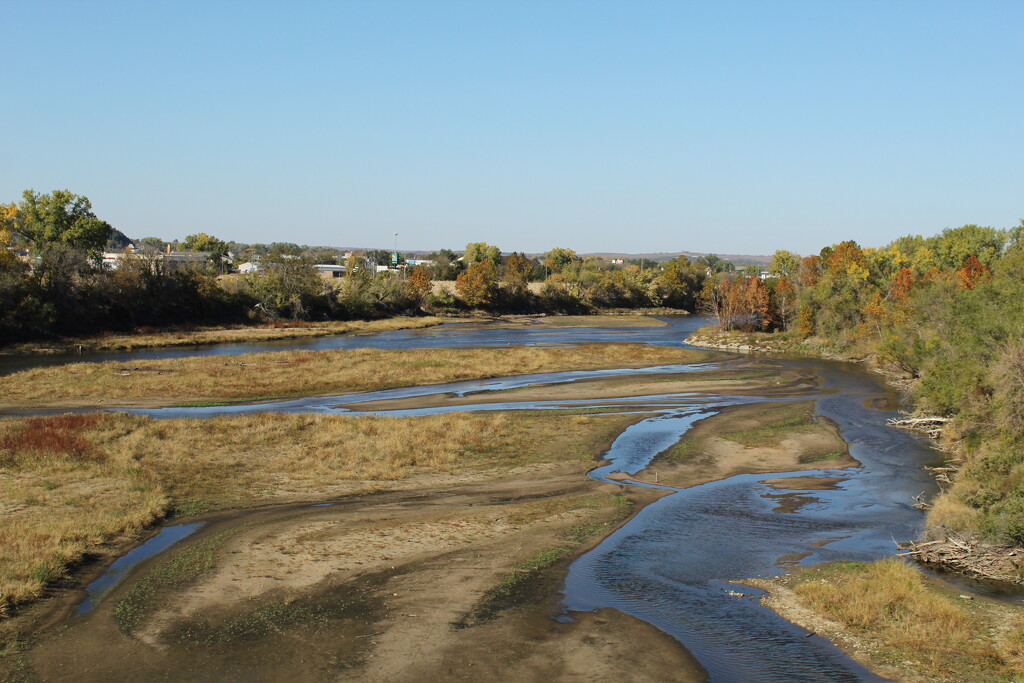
[{"x": 670, "y": 564}]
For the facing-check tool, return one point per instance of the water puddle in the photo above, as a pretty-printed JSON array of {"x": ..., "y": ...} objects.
[{"x": 98, "y": 589}]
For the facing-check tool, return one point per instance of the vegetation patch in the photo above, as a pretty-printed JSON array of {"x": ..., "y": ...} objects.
[
  {"x": 190, "y": 335},
  {"x": 101, "y": 477},
  {"x": 911, "y": 626},
  {"x": 347, "y": 610},
  {"x": 785, "y": 420},
  {"x": 179, "y": 570},
  {"x": 531, "y": 581},
  {"x": 761, "y": 426}
]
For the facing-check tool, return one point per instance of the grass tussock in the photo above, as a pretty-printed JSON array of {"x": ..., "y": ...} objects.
[
  {"x": 915, "y": 627},
  {"x": 235, "y": 334},
  {"x": 283, "y": 374},
  {"x": 70, "y": 483}
]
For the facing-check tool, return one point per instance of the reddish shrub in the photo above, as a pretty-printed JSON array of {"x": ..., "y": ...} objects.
[{"x": 54, "y": 435}]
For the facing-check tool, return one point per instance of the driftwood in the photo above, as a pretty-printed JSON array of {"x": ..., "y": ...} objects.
[
  {"x": 932, "y": 426},
  {"x": 969, "y": 556}
]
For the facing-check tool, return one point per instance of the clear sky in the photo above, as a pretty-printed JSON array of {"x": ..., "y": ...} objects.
[{"x": 713, "y": 126}]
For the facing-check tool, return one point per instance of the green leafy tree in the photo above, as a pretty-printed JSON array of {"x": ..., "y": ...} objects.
[
  {"x": 288, "y": 287},
  {"x": 559, "y": 258},
  {"x": 784, "y": 263},
  {"x": 61, "y": 218},
  {"x": 217, "y": 249},
  {"x": 478, "y": 251}
]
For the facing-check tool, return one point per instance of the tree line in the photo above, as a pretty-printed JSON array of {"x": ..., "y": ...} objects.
[
  {"x": 52, "y": 281},
  {"x": 946, "y": 313}
]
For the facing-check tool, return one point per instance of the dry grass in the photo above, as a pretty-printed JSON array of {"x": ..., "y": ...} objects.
[
  {"x": 929, "y": 634},
  {"x": 286, "y": 374},
  {"x": 148, "y": 338},
  {"x": 70, "y": 483}
]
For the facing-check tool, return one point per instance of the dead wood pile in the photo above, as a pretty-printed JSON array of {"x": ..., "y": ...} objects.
[{"x": 969, "y": 556}]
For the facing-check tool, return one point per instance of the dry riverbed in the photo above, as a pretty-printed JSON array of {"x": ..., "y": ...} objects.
[{"x": 369, "y": 548}]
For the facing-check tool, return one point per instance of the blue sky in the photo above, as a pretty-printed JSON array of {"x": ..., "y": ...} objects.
[{"x": 727, "y": 127}]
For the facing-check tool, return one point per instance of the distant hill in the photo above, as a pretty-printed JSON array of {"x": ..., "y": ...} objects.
[
  {"x": 668, "y": 256},
  {"x": 737, "y": 259}
]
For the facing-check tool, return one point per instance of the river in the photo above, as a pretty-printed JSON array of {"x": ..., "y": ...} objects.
[{"x": 669, "y": 565}]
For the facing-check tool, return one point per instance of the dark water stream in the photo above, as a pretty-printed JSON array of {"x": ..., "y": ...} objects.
[{"x": 670, "y": 564}]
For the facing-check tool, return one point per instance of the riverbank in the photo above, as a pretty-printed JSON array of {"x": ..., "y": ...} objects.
[
  {"x": 907, "y": 638},
  {"x": 902, "y": 624}
]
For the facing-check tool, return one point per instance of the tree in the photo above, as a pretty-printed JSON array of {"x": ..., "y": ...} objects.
[
  {"x": 847, "y": 258},
  {"x": 287, "y": 286},
  {"x": 61, "y": 218},
  {"x": 479, "y": 284},
  {"x": 202, "y": 242},
  {"x": 971, "y": 272},
  {"x": 559, "y": 257},
  {"x": 517, "y": 273},
  {"x": 785, "y": 301},
  {"x": 418, "y": 284},
  {"x": 478, "y": 251},
  {"x": 713, "y": 264},
  {"x": 784, "y": 263},
  {"x": 809, "y": 271}
]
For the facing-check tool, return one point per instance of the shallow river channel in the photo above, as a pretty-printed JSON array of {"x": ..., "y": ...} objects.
[{"x": 671, "y": 565}]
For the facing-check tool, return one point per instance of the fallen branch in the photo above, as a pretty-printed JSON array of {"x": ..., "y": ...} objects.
[{"x": 967, "y": 556}]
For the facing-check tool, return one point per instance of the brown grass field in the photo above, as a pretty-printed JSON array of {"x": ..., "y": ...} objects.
[
  {"x": 261, "y": 376},
  {"x": 70, "y": 483},
  {"x": 902, "y": 624},
  {"x": 234, "y": 334}
]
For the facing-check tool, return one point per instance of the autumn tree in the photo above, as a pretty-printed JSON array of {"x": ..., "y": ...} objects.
[
  {"x": 809, "y": 271},
  {"x": 418, "y": 284},
  {"x": 902, "y": 283},
  {"x": 847, "y": 258},
  {"x": 478, "y": 286},
  {"x": 785, "y": 299},
  {"x": 517, "y": 273},
  {"x": 971, "y": 272}
]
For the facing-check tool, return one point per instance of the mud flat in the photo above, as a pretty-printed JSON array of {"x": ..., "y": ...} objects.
[{"x": 428, "y": 584}]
